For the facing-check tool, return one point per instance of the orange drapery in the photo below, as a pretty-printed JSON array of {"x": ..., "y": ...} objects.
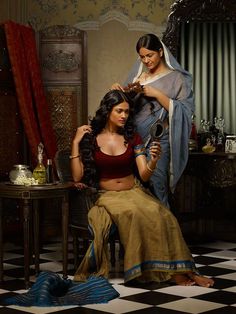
[{"x": 33, "y": 106}]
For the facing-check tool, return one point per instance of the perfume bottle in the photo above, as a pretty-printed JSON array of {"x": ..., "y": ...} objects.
[
  {"x": 39, "y": 172},
  {"x": 220, "y": 123},
  {"x": 49, "y": 171},
  {"x": 193, "y": 139}
]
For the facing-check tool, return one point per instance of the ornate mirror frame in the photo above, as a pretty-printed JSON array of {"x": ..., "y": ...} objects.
[{"x": 197, "y": 11}]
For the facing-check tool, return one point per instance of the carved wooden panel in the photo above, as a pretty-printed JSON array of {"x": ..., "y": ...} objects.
[
  {"x": 63, "y": 58},
  {"x": 64, "y": 113},
  {"x": 195, "y": 10},
  {"x": 205, "y": 195}
]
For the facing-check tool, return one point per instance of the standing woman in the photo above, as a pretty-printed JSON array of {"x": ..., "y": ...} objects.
[
  {"x": 167, "y": 96},
  {"x": 104, "y": 154}
]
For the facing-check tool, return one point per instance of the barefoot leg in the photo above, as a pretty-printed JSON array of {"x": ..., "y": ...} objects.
[
  {"x": 183, "y": 280},
  {"x": 202, "y": 280}
]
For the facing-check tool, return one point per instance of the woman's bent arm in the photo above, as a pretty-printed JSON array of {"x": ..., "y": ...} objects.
[{"x": 77, "y": 167}]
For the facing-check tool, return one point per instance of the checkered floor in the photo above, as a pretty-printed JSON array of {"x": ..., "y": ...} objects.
[{"x": 217, "y": 259}]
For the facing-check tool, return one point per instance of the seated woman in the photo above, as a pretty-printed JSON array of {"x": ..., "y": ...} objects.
[{"x": 107, "y": 154}]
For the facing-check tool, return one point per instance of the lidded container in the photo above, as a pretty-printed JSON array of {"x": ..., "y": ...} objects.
[{"x": 19, "y": 171}]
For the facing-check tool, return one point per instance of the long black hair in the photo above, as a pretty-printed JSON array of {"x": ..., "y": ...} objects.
[
  {"x": 98, "y": 122},
  {"x": 150, "y": 42}
]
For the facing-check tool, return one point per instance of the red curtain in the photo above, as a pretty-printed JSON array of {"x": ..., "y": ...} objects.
[{"x": 33, "y": 106}]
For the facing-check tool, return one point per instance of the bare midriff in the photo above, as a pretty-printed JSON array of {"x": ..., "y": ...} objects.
[{"x": 117, "y": 184}]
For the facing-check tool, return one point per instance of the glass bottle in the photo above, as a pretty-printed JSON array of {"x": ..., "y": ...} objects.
[
  {"x": 201, "y": 134},
  {"x": 39, "y": 172},
  {"x": 221, "y": 135},
  {"x": 49, "y": 171},
  {"x": 193, "y": 140}
]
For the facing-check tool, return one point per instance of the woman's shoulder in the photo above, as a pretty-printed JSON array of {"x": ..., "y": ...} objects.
[
  {"x": 175, "y": 73},
  {"x": 137, "y": 139},
  {"x": 142, "y": 77},
  {"x": 175, "y": 77}
]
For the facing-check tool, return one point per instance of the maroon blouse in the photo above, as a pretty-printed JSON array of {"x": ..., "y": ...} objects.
[{"x": 119, "y": 166}]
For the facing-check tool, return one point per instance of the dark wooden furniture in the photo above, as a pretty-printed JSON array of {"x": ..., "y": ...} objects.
[
  {"x": 63, "y": 58},
  {"x": 205, "y": 197},
  {"x": 193, "y": 27},
  {"x": 80, "y": 203},
  {"x": 183, "y": 11},
  {"x": 30, "y": 198}
]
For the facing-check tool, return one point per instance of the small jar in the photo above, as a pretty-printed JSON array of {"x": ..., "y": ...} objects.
[{"x": 19, "y": 171}]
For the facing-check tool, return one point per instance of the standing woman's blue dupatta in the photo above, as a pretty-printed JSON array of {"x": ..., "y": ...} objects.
[{"x": 177, "y": 85}]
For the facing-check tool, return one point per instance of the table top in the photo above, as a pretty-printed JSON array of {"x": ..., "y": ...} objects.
[
  {"x": 214, "y": 154},
  {"x": 52, "y": 186},
  {"x": 57, "y": 189}
]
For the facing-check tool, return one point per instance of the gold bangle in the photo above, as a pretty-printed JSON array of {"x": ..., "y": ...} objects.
[
  {"x": 76, "y": 156},
  {"x": 149, "y": 168}
]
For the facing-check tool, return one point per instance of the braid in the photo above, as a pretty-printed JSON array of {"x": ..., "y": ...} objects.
[{"x": 87, "y": 148}]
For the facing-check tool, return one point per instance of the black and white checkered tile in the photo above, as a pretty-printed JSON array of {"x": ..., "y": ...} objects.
[{"x": 216, "y": 259}]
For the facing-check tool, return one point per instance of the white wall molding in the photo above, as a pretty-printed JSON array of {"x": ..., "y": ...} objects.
[{"x": 136, "y": 25}]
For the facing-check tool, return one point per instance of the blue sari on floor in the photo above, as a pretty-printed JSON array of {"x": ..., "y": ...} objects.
[{"x": 51, "y": 290}]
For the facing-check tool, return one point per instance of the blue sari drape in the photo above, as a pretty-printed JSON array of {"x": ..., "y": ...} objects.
[
  {"x": 177, "y": 85},
  {"x": 52, "y": 290}
]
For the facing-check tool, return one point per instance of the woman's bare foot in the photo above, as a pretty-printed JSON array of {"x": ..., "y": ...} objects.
[
  {"x": 202, "y": 281},
  {"x": 183, "y": 280}
]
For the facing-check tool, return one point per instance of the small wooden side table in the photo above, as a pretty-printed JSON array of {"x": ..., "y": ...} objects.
[{"x": 29, "y": 197}]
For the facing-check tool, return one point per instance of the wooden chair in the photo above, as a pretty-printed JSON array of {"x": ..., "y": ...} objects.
[{"x": 80, "y": 202}]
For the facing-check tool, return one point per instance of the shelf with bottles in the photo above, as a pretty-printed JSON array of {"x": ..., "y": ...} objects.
[{"x": 211, "y": 136}]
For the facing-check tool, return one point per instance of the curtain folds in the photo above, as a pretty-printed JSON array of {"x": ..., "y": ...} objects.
[
  {"x": 208, "y": 52},
  {"x": 33, "y": 106}
]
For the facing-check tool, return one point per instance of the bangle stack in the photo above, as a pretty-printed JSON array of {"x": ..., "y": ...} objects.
[
  {"x": 149, "y": 168},
  {"x": 75, "y": 156}
]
